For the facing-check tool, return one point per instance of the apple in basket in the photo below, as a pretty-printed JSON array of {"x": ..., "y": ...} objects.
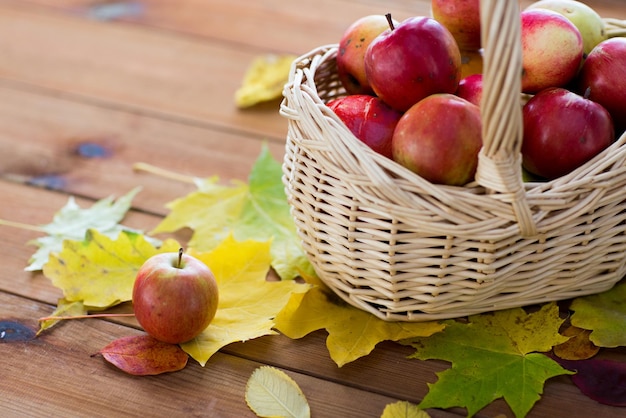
[
  {"x": 369, "y": 119},
  {"x": 412, "y": 60},
  {"x": 461, "y": 18},
  {"x": 563, "y": 130},
  {"x": 439, "y": 139},
  {"x": 351, "y": 52},
  {"x": 588, "y": 22},
  {"x": 604, "y": 74},
  {"x": 471, "y": 88},
  {"x": 552, "y": 50}
]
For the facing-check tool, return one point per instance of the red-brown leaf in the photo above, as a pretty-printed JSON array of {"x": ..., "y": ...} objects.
[{"x": 142, "y": 355}]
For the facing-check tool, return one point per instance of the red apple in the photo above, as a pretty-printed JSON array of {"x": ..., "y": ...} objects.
[
  {"x": 439, "y": 139},
  {"x": 412, "y": 60},
  {"x": 461, "y": 18},
  {"x": 471, "y": 88},
  {"x": 370, "y": 119},
  {"x": 175, "y": 297},
  {"x": 604, "y": 74},
  {"x": 351, "y": 52},
  {"x": 552, "y": 50},
  {"x": 562, "y": 131}
]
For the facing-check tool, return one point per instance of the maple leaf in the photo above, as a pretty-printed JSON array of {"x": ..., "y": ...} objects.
[
  {"x": 100, "y": 271},
  {"x": 604, "y": 314},
  {"x": 72, "y": 222},
  {"x": 64, "y": 308},
  {"x": 264, "y": 80},
  {"x": 494, "y": 355},
  {"x": 352, "y": 333},
  {"x": 256, "y": 210},
  {"x": 248, "y": 303}
]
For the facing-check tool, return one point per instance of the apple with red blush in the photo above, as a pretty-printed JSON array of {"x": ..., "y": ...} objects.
[
  {"x": 351, "y": 52},
  {"x": 439, "y": 139},
  {"x": 175, "y": 297},
  {"x": 604, "y": 74},
  {"x": 471, "y": 88},
  {"x": 369, "y": 119},
  {"x": 552, "y": 50},
  {"x": 461, "y": 18},
  {"x": 412, "y": 60},
  {"x": 562, "y": 131}
]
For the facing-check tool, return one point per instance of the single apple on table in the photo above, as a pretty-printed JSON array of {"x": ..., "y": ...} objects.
[
  {"x": 471, "y": 88},
  {"x": 412, "y": 60},
  {"x": 604, "y": 74},
  {"x": 439, "y": 139},
  {"x": 370, "y": 119},
  {"x": 562, "y": 131},
  {"x": 175, "y": 297},
  {"x": 351, "y": 52},
  {"x": 461, "y": 18},
  {"x": 588, "y": 22},
  {"x": 552, "y": 50}
]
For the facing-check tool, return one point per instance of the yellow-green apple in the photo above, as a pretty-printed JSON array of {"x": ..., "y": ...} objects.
[
  {"x": 471, "y": 88},
  {"x": 412, "y": 60},
  {"x": 370, "y": 119},
  {"x": 351, "y": 52},
  {"x": 439, "y": 138},
  {"x": 471, "y": 62},
  {"x": 461, "y": 18},
  {"x": 562, "y": 131},
  {"x": 552, "y": 50},
  {"x": 175, "y": 297},
  {"x": 604, "y": 74},
  {"x": 589, "y": 23}
]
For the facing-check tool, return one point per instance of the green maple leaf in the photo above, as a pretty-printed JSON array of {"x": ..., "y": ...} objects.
[
  {"x": 604, "y": 314},
  {"x": 352, "y": 333},
  {"x": 256, "y": 210},
  {"x": 493, "y": 356},
  {"x": 72, "y": 222}
]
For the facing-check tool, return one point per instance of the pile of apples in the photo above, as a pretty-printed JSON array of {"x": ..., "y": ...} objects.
[{"x": 412, "y": 97}]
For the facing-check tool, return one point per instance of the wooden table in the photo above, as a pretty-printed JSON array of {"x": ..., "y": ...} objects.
[{"x": 153, "y": 81}]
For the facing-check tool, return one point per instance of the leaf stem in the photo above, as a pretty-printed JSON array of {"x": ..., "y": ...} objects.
[
  {"x": 21, "y": 225},
  {"x": 51, "y": 318},
  {"x": 161, "y": 172}
]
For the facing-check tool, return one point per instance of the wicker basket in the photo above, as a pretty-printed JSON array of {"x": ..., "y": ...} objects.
[{"x": 391, "y": 243}]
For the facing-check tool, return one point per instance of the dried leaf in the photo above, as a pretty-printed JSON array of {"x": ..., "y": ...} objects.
[
  {"x": 602, "y": 380},
  {"x": 64, "y": 308},
  {"x": 352, "y": 333},
  {"x": 270, "y": 392},
  {"x": 264, "y": 80},
  {"x": 578, "y": 347},
  {"x": 99, "y": 271},
  {"x": 72, "y": 222},
  {"x": 493, "y": 356},
  {"x": 257, "y": 210},
  {"x": 403, "y": 409},
  {"x": 142, "y": 355},
  {"x": 248, "y": 302},
  {"x": 604, "y": 314}
]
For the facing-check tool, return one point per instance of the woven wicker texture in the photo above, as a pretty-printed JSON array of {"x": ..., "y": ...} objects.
[{"x": 391, "y": 243}]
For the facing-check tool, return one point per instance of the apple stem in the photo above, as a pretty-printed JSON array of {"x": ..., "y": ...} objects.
[
  {"x": 390, "y": 20},
  {"x": 587, "y": 92},
  {"x": 51, "y": 318},
  {"x": 180, "y": 257}
]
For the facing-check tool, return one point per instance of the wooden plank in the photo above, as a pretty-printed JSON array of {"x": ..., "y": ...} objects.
[
  {"x": 56, "y": 375},
  {"x": 43, "y": 136}
]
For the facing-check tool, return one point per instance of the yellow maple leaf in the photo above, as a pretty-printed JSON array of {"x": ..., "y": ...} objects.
[
  {"x": 100, "y": 271},
  {"x": 264, "y": 80},
  {"x": 248, "y": 302},
  {"x": 352, "y": 333}
]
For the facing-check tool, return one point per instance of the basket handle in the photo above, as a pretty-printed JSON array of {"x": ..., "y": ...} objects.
[{"x": 499, "y": 165}]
